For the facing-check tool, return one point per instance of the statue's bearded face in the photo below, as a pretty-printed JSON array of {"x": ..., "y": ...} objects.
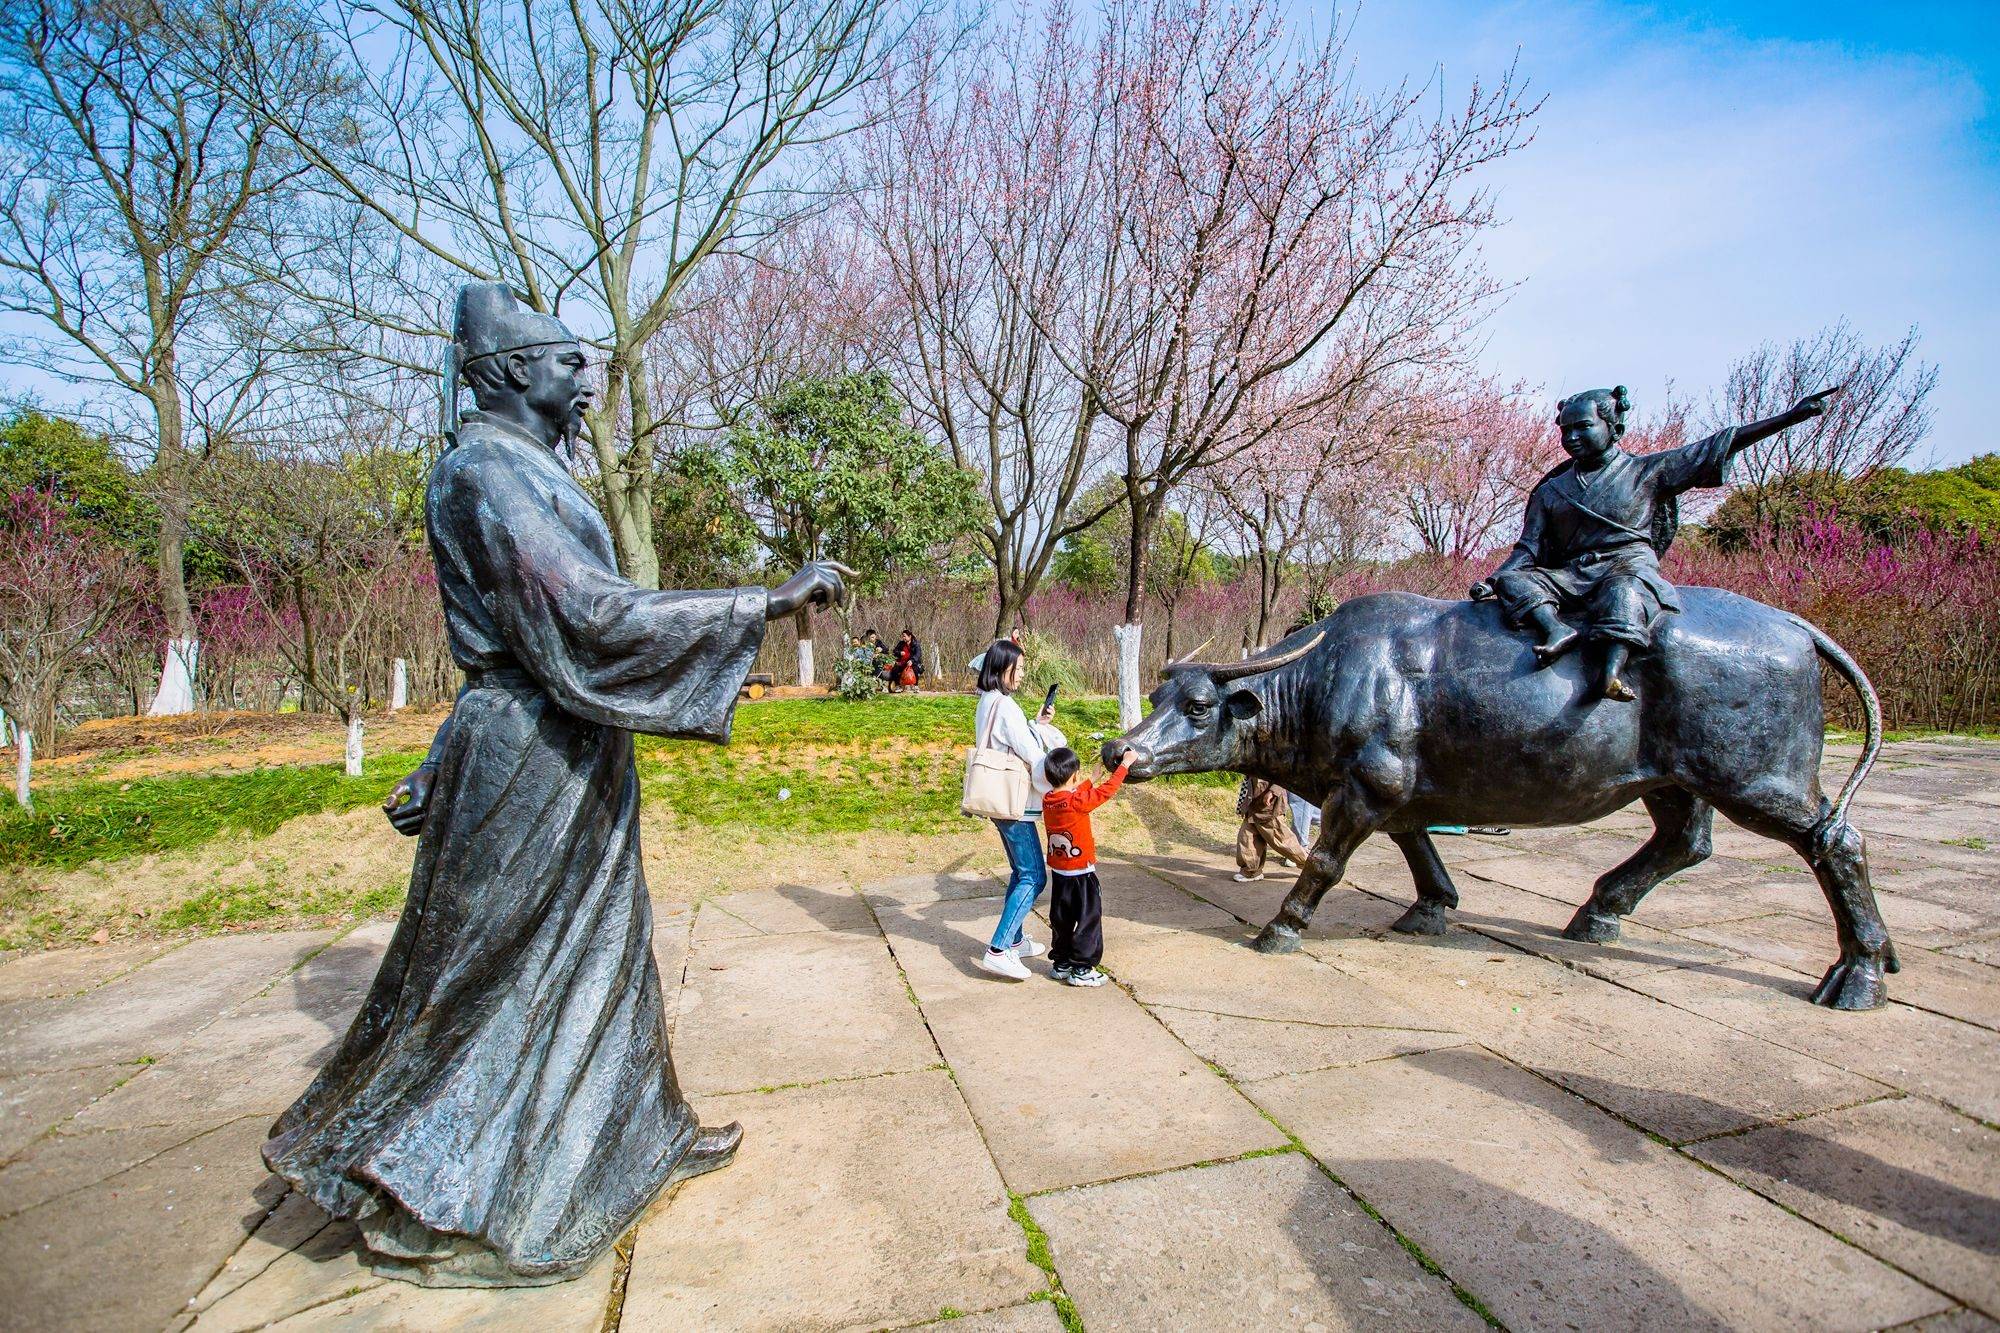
[
  {"x": 557, "y": 387},
  {"x": 1586, "y": 435}
]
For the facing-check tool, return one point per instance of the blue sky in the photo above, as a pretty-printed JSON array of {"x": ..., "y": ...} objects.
[{"x": 1707, "y": 177}]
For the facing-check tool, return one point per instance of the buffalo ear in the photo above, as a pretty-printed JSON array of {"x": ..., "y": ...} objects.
[{"x": 1242, "y": 705}]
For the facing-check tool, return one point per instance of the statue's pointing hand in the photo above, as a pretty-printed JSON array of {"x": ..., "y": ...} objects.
[
  {"x": 1813, "y": 405},
  {"x": 820, "y": 583}
]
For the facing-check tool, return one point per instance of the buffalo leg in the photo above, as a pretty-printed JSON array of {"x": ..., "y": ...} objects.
[
  {"x": 1839, "y": 860},
  {"x": 1683, "y": 826},
  {"x": 1339, "y": 835},
  {"x": 1435, "y": 892}
]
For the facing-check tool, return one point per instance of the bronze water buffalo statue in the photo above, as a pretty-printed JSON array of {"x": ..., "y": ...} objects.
[{"x": 1398, "y": 713}]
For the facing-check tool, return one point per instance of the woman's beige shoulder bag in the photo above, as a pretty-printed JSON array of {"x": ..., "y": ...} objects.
[{"x": 996, "y": 781}]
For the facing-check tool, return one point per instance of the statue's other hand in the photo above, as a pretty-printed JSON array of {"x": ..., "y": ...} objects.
[
  {"x": 1813, "y": 405},
  {"x": 409, "y": 802},
  {"x": 819, "y": 583},
  {"x": 1480, "y": 591}
]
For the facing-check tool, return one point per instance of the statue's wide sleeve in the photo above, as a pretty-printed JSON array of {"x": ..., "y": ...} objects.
[
  {"x": 669, "y": 663},
  {"x": 1701, "y": 464}
]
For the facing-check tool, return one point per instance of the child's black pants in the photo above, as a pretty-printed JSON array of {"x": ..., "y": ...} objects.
[{"x": 1076, "y": 918}]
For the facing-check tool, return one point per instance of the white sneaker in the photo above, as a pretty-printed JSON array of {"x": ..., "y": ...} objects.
[
  {"x": 1242, "y": 878},
  {"x": 1002, "y": 965},
  {"x": 1088, "y": 976},
  {"x": 1029, "y": 948}
]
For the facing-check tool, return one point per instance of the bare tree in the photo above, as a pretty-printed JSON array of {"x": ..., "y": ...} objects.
[
  {"x": 971, "y": 195},
  {"x": 590, "y": 154},
  {"x": 1879, "y": 419},
  {"x": 61, "y": 587},
  {"x": 127, "y": 178},
  {"x": 316, "y": 514},
  {"x": 1470, "y": 458},
  {"x": 1270, "y": 239}
]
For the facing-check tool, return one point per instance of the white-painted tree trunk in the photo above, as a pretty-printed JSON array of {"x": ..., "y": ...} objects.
[
  {"x": 24, "y": 759},
  {"x": 805, "y": 661},
  {"x": 6, "y": 728},
  {"x": 354, "y": 748},
  {"x": 1128, "y": 674},
  {"x": 399, "y": 686},
  {"x": 176, "y": 694}
]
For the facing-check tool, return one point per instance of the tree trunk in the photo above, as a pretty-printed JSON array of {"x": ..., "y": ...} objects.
[
  {"x": 354, "y": 746},
  {"x": 24, "y": 758},
  {"x": 1128, "y": 673},
  {"x": 177, "y": 660},
  {"x": 628, "y": 495},
  {"x": 1128, "y": 634},
  {"x": 803, "y": 619},
  {"x": 399, "y": 686}
]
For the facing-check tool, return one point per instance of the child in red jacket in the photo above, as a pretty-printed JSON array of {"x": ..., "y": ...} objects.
[{"x": 1076, "y": 908}]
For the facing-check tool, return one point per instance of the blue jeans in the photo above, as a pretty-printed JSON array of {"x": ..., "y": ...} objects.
[{"x": 1023, "y": 840}]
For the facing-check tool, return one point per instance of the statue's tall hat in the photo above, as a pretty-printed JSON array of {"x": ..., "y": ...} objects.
[{"x": 491, "y": 321}]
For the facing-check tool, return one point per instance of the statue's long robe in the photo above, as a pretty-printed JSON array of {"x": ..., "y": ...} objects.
[{"x": 506, "y": 1092}]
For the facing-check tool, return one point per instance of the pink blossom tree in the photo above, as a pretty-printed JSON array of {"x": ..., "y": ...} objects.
[
  {"x": 62, "y": 588},
  {"x": 1267, "y": 238}
]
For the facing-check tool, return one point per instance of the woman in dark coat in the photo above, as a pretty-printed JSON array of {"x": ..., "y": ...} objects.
[{"x": 504, "y": 1106}]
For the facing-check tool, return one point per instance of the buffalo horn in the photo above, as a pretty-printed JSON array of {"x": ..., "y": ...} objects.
[{"x": 1251, "y": 666}]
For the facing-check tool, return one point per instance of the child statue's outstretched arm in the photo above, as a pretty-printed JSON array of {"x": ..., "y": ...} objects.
[{"x": 1805, "y": 409}]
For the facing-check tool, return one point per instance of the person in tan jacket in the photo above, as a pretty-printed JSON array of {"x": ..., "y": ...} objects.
[{"x": 1267, "y": 828}]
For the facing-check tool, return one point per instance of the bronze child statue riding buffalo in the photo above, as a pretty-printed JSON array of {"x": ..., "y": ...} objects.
[{"x": 1398, "y": 713}]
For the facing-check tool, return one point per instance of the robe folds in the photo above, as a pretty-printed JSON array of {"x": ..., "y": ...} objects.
[{"x": 504, "y": 1106}]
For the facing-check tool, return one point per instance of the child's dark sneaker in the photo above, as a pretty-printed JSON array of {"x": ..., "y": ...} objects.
[
  {"x": 1060, "y": 971},
  {"x": 1082, "y": 976}
]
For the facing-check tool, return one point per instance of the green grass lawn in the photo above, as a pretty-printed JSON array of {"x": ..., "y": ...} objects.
[{"x": 890, "y": 763}]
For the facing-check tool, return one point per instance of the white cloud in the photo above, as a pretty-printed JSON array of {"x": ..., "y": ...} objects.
[{"x": 1692, "y": 193}]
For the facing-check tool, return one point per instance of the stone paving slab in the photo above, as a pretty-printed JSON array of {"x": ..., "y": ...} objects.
[
  {"x": 1670, "y": 1071},
  {"x": 33, "y": 1104},
  {"x": 60, "y": 972},
  {"x": 1906, "y": 1179},
  {"x": 1534, "y": 923},
  {"x": 398, "y": 1307},
  {"x": 1034, "y": 1317},
  {"x": 1955, "y": 987},
  {"x": 1051, "y": 1072},
  {"x": 153, "y": 1010},
  {"x": 1221, "y": 974},
  {"x": 1254, "y": 1048},
  {"x": 1555, "y": 1215},
  {"x": 1137, "y": 902},
  {"x": 787, "y": 910},
  {"x": 1957, "y": 1063},
  {"x": 766, "y": 1010},
  {"x": 156, "y": 1230},
  {"x": 866, "y": 1203},
  {"x": 1985, "y": 951},
  {"x": 1265, "y": 1243}
]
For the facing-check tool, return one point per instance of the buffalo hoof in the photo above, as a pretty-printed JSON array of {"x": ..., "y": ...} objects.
[
  {"x": 1890, "y": 963},
  {"x": 1422, "y": 919},
  {"x": 1852, "y": 983},
  {"x": 1275, "y": 938},
  {"x": 1592, "y": 927}
]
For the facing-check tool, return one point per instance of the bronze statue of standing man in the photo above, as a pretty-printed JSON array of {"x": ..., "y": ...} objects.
[{"x": 504, "y": 1106}]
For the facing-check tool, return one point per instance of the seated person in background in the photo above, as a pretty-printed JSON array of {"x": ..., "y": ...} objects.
[
  {"x": 1597, "y": 526},
  {"x": 906, "y": 664},
  {"x": 1076, "y": 905}
]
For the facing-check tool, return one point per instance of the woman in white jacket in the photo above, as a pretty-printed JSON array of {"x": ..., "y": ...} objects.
[{"x": 1000, "y": 724}]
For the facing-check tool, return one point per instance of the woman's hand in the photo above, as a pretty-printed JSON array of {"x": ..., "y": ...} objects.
[
  {"x": 820, "y": 583},
  {"x": 1047, "y": 715},
  {"x": 409, "y": 801}
]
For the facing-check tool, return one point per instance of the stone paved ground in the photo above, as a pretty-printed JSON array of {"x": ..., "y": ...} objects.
[{"x": 1374, "y": 1132}]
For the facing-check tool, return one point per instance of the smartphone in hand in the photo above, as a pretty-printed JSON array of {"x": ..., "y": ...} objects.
[{"x": 1048, "y": 705}]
